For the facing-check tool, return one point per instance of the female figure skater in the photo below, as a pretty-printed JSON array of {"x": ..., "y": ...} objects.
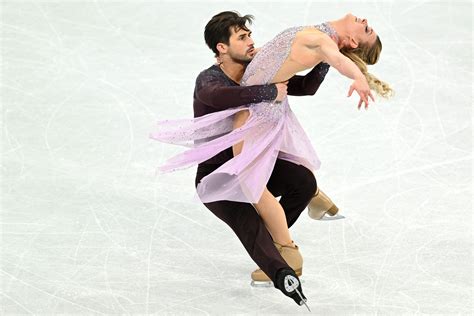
[{"x": 263, "y": 132}]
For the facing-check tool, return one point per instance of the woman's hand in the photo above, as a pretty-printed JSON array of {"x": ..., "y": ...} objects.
[
  {"x": 281, "y": 88},
  {"x": 361, "y": 85}
]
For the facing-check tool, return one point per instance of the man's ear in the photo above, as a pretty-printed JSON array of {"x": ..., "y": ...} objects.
[{"x": 221, "y": 48}]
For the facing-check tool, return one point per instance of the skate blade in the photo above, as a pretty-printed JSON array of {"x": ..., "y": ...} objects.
[
  {"x": 266, "y": 284},
  {"x": 332, "y": 218},
  {"x": 261, "y": 283}
]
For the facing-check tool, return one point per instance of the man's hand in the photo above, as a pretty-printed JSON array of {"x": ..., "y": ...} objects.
[
  {"x": 281, "y": 87},
  {"x": 361, "y": 85}
]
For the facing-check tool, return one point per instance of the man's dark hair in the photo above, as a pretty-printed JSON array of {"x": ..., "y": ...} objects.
[{"x": 218, "y": 28}]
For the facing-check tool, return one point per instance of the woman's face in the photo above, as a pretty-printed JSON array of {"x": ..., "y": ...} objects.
[{"x": 359, "y": 29}]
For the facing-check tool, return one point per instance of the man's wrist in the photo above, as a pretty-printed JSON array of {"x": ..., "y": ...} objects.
[{"x": 273, "y": 91}]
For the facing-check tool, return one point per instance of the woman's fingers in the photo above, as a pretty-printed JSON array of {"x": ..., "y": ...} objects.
[
  {"x": 351, "y": 89},
  {"x": 371, "y": 96},
  {"x": 364, "y": 94},
  {"x": 363, "y": 98}
]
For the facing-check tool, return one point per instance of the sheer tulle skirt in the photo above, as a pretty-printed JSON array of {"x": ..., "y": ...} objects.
[{"x": 271, "y": 131}]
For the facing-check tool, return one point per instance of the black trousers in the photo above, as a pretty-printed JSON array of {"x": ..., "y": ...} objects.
[{"x": 294, "y": 183}]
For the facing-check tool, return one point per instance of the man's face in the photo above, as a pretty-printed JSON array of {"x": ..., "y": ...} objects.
[
  {"x": 359, "y": 29},
  {"x": 240, "y": 47}
]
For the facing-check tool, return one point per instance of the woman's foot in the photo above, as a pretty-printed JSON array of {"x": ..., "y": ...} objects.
[{"x": 320, "y": 205}]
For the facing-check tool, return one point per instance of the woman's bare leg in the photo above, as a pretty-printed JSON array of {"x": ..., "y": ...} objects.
[
  {"x": 269, "y": 209},
  {"x": 273, "y": 216}
]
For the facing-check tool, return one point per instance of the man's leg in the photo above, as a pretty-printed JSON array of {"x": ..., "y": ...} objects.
[
  {"x": 249, "y": 228},
  {"x": 295, "y": 184}
]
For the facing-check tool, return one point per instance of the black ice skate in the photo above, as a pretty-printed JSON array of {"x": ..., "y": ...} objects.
[{"x": 287, "y": 281}]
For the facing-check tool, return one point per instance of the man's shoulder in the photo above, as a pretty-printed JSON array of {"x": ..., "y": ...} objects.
[
  {"x": 214, "y": 71},
  {"x": 211, "y": 75}
]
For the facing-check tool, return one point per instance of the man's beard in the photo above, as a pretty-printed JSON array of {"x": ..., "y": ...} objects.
[{"x": 241, "y": 59}]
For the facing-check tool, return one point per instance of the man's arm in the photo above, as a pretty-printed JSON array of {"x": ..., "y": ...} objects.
[
  {"x": 214, "y": 91},
  {"x": 308, "y": 84}
]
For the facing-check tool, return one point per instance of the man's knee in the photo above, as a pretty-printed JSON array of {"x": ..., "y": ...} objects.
[
  {"x": 306, "y": 181},
  {"x": 248, "y": 220}
]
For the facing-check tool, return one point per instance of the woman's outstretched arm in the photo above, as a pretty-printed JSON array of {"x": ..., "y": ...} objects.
[{"x": 331, "y": 54}]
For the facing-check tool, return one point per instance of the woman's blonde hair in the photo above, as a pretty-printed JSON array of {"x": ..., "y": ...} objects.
[{"x": 364, "y": 55}]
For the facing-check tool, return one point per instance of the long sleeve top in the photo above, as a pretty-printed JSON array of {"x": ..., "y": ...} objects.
[{"x": 214, "y": 91}]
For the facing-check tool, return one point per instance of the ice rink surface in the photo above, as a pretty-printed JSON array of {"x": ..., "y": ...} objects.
[{"x": 88, "y": 228}]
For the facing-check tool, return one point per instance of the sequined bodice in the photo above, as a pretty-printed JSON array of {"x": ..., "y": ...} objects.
[{"x": 272, "y": 55}]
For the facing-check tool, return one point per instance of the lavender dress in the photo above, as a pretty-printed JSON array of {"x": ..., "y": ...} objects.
[{"x": 271, "y": 131}]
